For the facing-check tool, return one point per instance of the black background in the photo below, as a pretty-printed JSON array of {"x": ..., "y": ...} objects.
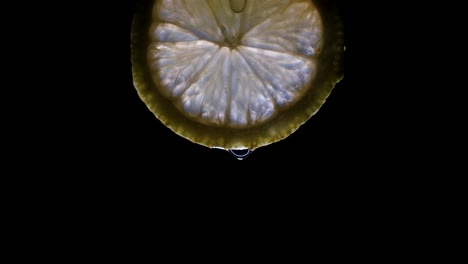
[{"x": 98, "y": 151}]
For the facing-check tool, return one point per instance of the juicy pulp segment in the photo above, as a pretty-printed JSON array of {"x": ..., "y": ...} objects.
[{"x": 236, "y": 69}]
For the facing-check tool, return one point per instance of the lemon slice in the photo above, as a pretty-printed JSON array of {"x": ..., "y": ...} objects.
[{"x": 235, "y": 74}]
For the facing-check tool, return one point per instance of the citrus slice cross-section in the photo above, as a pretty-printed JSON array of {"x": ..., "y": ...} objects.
[{"x": 235, "y": 74}]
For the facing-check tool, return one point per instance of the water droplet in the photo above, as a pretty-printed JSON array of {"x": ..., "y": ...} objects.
[
  {"x": 240, "y": 154},
  {"x": 237, "y": 5}
]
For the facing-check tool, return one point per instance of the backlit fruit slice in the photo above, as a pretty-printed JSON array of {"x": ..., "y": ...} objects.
[{"x": 236, "y": 74}]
